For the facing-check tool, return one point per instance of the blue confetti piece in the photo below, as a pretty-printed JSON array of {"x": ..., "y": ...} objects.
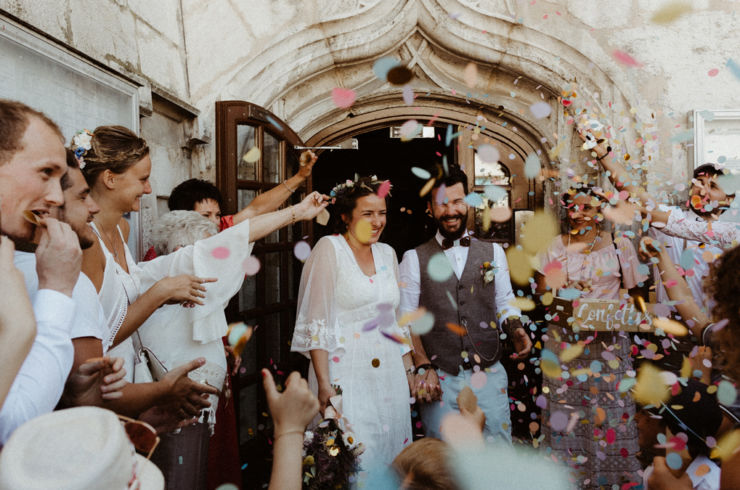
[
  {"x": 474, "y": 199},
  {"x": 382, "y": 66},
  {"x": 272, "y": 121},
  {"x": 687, "y": 259},
  {"x": 532, "y": 166},
  {"x": 570, "y": 293},
  {"x": 494, "y": 192},
  {"x": 449, "y": 136},
  {"x": 244, "y": 466},
  {"x": 683, "y": 136},
  {"x": 734, "y": 68}
]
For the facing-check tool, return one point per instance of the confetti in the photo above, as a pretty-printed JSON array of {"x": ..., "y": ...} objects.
[
  {"x": 713, "y": 72},
  {"x": 323, "y": 217},
  {"x": 650, "y": 388},
  {"x": 540, "y": 110},
  {"x": 558, "y": 421},
  {"x": 524, "y": 304},
  {"x": 673, "y": 461},
  {"x": 670, "y": 12},
  {"x": 408, "y": 95},
  {"x": 399, "y": 75},
  {"x": 470, "y": 75},
  {"x": 302, "y": 250},
  {"x": 488, "y": 153},
  {"x": 252, "y": 155},
  {"x": 625, "y": 58},
  {"x": 384, "y": 188},
  {"x": 364, "y": 231},
  {"x": 726, "y": 446},
  {"x": 423, "y": 325},
  {"x": 375, "y": 362},
  {"x": 427, "y": 187},
  {"x": 500, "y": 214},
  {"x": 520, "y": 265},
  {"x": 702, "y": 470},
  {"x": 478, "y": 380},
  {"x": 251, "y": 265},
  {"x": 474, "y": 200},
  {"x": 734, "y": 67},
  {"x": 410, "y": 130},
  {"x": 726, "y": 393},
  {"x": 421, "y": 173},
  {"x": 670, "y": 326},
  {"x": 220, "y": 253},
  {"x": 571, "y": 352},
  {"x": 439, "y": 268},
  {"x": 383, "y": 65},
  {"x": 343, "y": 97},
  {"x": 539, "y": 232},
  {"x": 532, "y": 166}
]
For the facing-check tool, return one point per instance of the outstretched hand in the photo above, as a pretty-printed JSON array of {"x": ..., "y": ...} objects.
[
  {"x": 311, "y": 206},
  {"x": 94, "y": 381},
  {"x": 306, "y": 162},
  {"x": 292, "y": 409}
]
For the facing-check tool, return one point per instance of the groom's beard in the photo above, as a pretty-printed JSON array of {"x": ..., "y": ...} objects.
[{"x": 444, "y": 222}]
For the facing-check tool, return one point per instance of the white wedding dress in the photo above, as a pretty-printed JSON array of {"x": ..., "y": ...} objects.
[{"x": 337, "y": 307}]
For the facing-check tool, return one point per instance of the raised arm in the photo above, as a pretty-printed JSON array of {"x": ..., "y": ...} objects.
[
  {"x": 264, "y": 224},
  {"x": 271, "y": 200},
  {"x": 675, "y": 286}
]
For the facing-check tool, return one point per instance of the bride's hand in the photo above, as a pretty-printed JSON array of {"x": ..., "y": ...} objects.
[{"x": 325, "y": 393}]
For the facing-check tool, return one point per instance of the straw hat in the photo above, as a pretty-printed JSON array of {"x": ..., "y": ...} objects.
[{"x": 77, "y": 449}]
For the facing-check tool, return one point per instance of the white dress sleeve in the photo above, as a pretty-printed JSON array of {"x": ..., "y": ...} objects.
[
  {"x": 722, "y": 233},
  {"x": 405, "y": 331},
  {"x": 316, "y": 324}
]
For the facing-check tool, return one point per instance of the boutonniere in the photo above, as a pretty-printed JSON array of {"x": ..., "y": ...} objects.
[{"x": 487, "y": 272}]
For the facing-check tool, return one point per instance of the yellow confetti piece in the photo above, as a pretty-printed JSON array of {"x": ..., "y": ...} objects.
[
  {"x": 727, "y": 445},
  {"x": 520, "y": 265},
  {"x": 363, "y": 230},
  {"x": 539, "y": 232},
  {"x": 670, "y": 12},
  {"x": 686, "y": 368},
  {"x": 427, "y": 187},
  {"x": 554, "y": 152},
  {"x": 252, "y": 155},
  {"x": 411, "y": 316},
  {"x": 600, "y": 416},
  {"x": 571, "y": 352},
  {"x": 670, "y": 326},
  {"x": 550, "y": 368},
  {"x": 547, "y": 298},
  {"x": 524, "y": 304},
  {"x": 650, "y": 388}
]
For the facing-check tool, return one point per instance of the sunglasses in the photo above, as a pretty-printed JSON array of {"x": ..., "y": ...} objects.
[{"x": 142, "y": 435}]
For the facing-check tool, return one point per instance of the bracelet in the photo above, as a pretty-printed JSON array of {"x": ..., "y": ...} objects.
[
  {"x": 275, "y": 437},
  {"x": 288, "y": 187},
  {"x": 292, "y": 215},
  {"x": 426, "y": 366}
]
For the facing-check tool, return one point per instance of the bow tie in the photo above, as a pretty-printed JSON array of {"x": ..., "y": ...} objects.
[{"x": 447, "y": 243}]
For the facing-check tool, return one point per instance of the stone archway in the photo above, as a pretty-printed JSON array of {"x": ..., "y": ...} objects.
[{"x": 517, "y": 66}]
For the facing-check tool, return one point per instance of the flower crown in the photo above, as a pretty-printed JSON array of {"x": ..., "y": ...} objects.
[
  {"x": 81, "y": 143},
  {"x": 350, "y": 184}
]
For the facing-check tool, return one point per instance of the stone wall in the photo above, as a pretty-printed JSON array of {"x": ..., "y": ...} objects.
[{"x": 287, "y": 55}]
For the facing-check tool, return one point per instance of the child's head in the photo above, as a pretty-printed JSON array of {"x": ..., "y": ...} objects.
[
  {"x": 693, "y": 412},
  {"x": 423, "y": 465}
]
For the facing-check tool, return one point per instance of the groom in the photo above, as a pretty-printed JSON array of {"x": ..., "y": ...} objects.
[{"x": 463, "y": 346}]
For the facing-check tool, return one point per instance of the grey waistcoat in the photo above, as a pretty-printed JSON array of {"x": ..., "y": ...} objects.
[{"x": 476, "y": 305}]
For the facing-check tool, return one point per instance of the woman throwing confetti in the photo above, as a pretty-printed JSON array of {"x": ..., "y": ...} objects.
[{"x": 587, "y": 422}]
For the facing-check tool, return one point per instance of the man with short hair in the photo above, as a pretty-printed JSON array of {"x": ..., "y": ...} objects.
[
  {"x": 32, "y": 163},
  {"x": 464, "y": 283}
]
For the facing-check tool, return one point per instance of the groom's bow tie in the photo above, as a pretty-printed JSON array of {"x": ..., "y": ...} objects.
[{"x": 463, "y": 242}]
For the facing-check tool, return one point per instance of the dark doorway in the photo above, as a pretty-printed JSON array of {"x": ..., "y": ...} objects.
[{"x": 392, "y": 159}]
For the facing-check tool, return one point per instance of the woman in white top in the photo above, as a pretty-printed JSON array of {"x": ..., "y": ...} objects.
[{"x": 347, "y": 325}]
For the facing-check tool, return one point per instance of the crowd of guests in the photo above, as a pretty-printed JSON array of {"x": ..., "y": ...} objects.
[{"x": 118, "y": 361}]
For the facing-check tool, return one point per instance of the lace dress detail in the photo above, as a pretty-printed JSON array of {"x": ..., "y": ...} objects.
[{"x": 351, "y": 316}]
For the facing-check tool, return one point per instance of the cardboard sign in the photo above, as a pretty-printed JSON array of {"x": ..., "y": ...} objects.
[{"x": 600, "y": 315}]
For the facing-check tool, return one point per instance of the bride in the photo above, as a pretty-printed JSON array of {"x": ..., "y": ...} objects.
[{"x": 347, "y": 325}]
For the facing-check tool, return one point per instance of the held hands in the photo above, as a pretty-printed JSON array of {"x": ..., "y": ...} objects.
[
  {"x": 518, "y": 335},
  {"x": 306, "y": 162},
  {"x": 311, "y": 206},
  {"x": 427, "y": 387},
  {"x": 185, "y": 289},
  {"x": 184, "y": 396},
  {"x": 325, "y": 393},
  {"x": 58, "y": 257},
  {"x": 292, "y": 409}
]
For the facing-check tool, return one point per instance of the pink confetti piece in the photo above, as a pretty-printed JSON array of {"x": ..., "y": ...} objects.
[
  {"x": 408, "y": 95},
  {"x": 625, "y": 58},
  {"x": 343, "y": 97},
  {"x": 713, "y": 72},
  {"x": 220, "y": 253},
  {"x": 384, "y": 188}
]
